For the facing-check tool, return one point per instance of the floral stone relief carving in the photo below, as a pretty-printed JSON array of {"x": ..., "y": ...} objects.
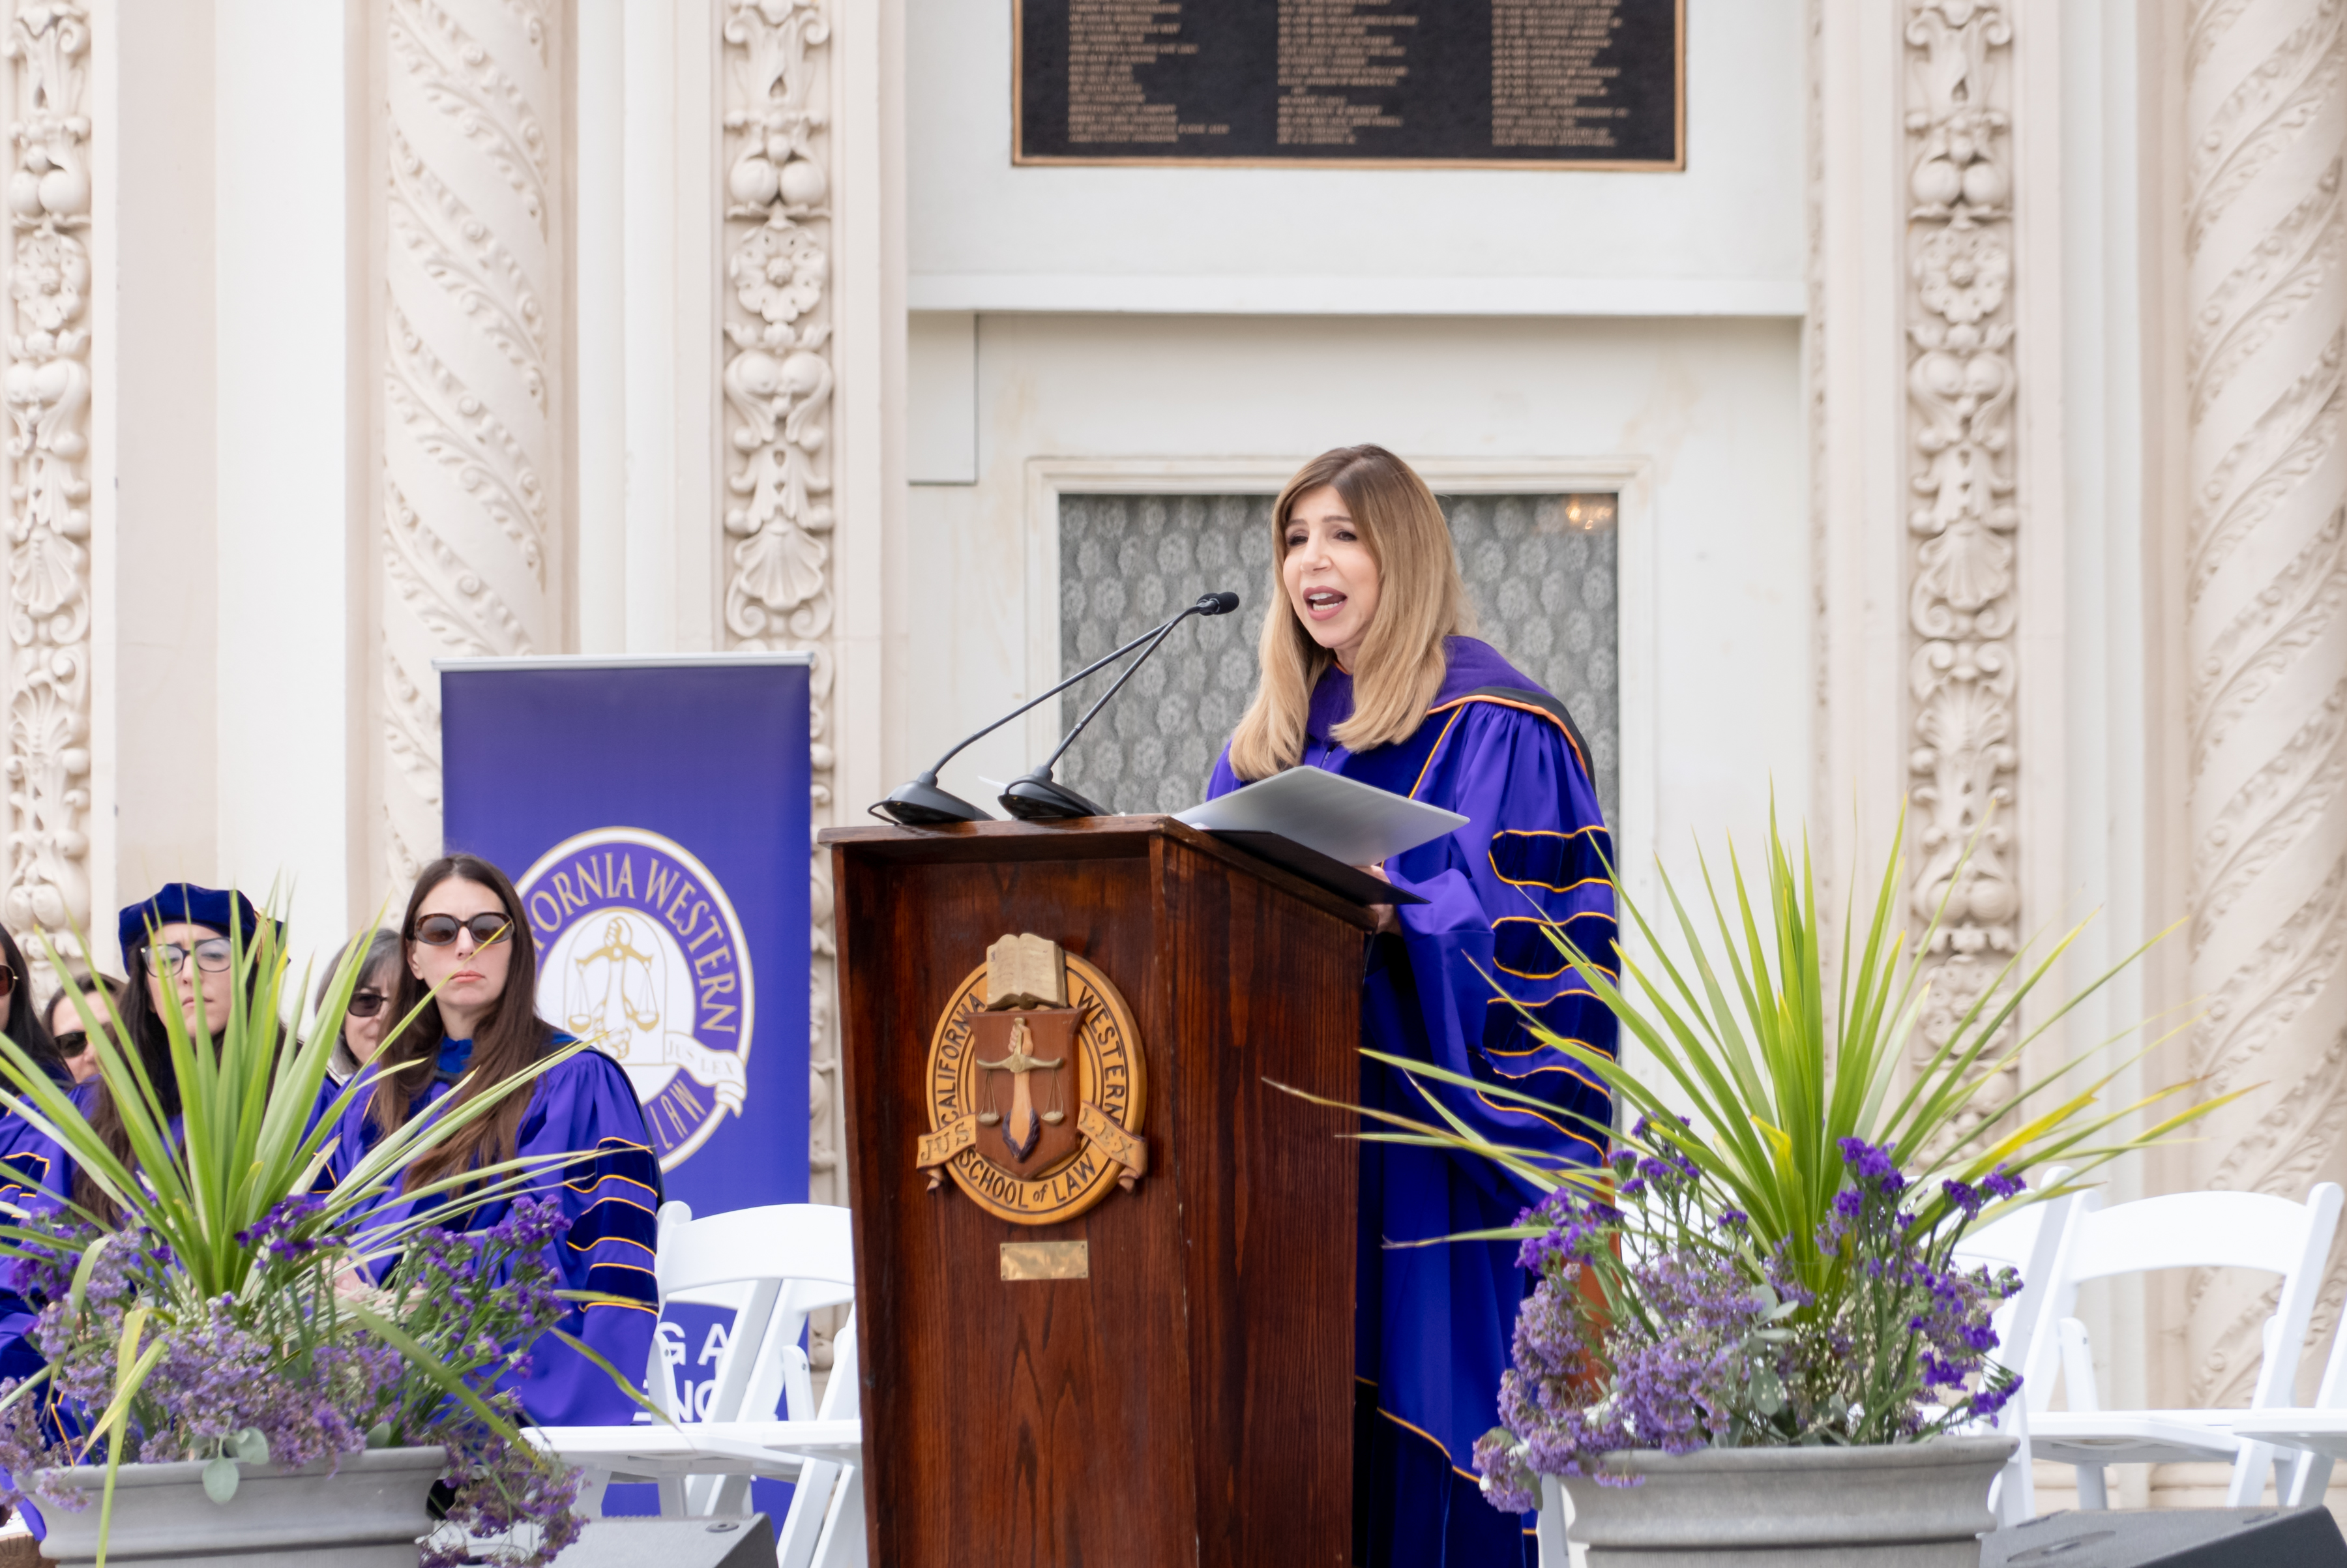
[
  {"x": 1960, "y": 386},
  {"x": 47, "y": 386},
  {"x": 777, "y": 383}
]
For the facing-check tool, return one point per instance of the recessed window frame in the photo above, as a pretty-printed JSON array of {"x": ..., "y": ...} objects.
[{"x": 1630, "y": 479}]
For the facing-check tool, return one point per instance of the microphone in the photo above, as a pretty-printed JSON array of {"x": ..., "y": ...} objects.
[
  {"x": 1035, "y": 796},
  {"x": 919, "y": 803}
]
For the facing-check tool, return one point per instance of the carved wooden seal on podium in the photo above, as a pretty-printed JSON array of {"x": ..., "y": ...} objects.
[{"x": 1035, "y": 1086}]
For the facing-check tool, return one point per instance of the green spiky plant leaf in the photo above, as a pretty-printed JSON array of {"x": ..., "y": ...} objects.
[
  {"x": 247, "y": 1140},
  {"x": 1775, "y": 1063}
]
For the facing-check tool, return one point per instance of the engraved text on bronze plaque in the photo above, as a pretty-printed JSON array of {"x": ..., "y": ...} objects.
[{"x": 1573, "y": 84}]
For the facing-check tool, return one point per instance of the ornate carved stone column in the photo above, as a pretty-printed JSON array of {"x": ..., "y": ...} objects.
[
  {"x": 473, "y": 444},
  {"x": 1961, "y": 608},
  {"x": 2265, "y": 581},
  {"x": 47, "y": 386},
  {"x": 778, "y": 381}
]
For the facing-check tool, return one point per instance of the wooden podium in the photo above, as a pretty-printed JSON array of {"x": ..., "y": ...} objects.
[{"x": 1178, "y": 1387}]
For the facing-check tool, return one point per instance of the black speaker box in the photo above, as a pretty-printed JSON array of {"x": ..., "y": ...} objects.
[
  {"x": 674, "y": 1543},
  {"x": 2171, "y": 1538}
]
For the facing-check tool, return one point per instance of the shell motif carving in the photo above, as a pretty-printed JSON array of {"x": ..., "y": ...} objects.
[
  {"x": 48, "y": 387},
  {"x": 777, "y": 383},
  {"x": 1960, "y": 386}
]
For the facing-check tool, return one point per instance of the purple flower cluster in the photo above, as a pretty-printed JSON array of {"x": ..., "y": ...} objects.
[
  {"x": 480, "y": 1298},
  {"x": 511, "y": 1491},
  {"x": 217, "y": 1378},
  {"x": 1870, "y": 1166},
  {"x": 287, "y": 1232},
  {"x": 1674, "y": 1377},
  {"x": 1712, "y": 1333},
  {"x": 285, "y": 1360},
  {"x": 1576, "y": 1224}
]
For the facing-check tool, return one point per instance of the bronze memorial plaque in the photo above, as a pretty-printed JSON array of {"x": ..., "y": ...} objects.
[{"x": 1509, "y": 84}]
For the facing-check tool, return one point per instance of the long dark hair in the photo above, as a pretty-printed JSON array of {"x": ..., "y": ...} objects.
[
  {"x": 150, "y": 1038},
  {"x": 507, "y": 1040},
  {"x": 28, "y": 1025}
]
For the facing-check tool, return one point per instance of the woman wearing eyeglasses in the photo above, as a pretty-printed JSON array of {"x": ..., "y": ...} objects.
[
  {"x": 369, "y": 1013},
  {"x": 176, "y": 942},
  {"x": 466, "y": 946}
]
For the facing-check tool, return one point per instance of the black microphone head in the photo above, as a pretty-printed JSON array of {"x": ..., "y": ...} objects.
[{"x": 1221, "y": 603}]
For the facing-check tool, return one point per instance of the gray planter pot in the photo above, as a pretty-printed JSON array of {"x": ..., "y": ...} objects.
[
  {"x": 367, "y": 1515},
  {"x": 1915, "y": 1505}
]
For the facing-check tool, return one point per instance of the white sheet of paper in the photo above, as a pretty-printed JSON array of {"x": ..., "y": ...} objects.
[{"x": 1343, "y": 818}]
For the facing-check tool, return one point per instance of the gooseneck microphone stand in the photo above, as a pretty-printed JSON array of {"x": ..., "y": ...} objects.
[
  {"x": 919, "y": 803},
  {"x": 1035, "y": 796}
]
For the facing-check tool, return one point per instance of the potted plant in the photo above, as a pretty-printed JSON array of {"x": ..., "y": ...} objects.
[
  {"x": 220, "y": 1378},
  {"x": 1748, "y": 1333}
]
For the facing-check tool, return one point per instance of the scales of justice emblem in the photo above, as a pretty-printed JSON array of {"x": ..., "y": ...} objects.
[
  {"x": 640, "y": 951},
  {"x": 1034, "y": 1087}
]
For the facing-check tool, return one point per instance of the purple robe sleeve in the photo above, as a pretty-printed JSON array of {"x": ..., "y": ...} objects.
[
  {"x": 1531, "y": 862},
  {"x": 611, "y": 1195}
]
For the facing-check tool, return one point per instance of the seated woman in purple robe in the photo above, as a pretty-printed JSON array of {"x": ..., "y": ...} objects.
[
  {"x": 177, "y": 940},
  {"x": 1364, "y": 673},
  {"x": 28, "y": 1026},
  {"x": 22, "y": 1022},
  {"x": 465, "y": 934}
]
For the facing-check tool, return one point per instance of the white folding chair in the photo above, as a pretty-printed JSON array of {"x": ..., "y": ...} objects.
[
  {"x": 2186, "y": 1229},
  {"x": 770, "y": 1266},
  {"x": 2316, "y": 1434},
  {"x": 2030, "y": 1241}
]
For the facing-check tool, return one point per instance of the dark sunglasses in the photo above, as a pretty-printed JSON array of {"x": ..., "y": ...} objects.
[
  {"x": 7, "y": 979},
  {"x": 73, "y": 1042},
  {"x": 367, "y": 1004},
  {"x": 439, "y": 930}
]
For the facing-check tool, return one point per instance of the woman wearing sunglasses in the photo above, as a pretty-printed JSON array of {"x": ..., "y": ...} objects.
[
  {"x": 23, "y": 1022},
  {"x": 77, "y": 989},
  {"x": 369, "y": 1013},
  {"x": 468, "y": 982},
  {"x": 20, "y": 1020}
]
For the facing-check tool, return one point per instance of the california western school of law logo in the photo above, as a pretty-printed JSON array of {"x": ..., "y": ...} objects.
[
  {"x": 641, "y": 952},
  {"x": 1034, "y": 1086}
]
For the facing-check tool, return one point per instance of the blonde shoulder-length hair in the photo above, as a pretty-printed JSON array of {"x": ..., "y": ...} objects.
[{"x": 1420, "y": 601}]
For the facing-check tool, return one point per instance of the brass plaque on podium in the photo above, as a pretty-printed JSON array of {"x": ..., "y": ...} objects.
[{"x": 1046, "y": 1260}]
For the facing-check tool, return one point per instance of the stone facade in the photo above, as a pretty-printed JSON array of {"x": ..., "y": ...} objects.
[{"x": 2072, "y": 321}]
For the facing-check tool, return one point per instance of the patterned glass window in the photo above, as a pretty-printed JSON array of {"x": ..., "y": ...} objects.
[{"x": 1539, "y": 572}]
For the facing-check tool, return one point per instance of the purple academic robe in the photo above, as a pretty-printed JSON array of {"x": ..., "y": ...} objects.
[
  {"x": 1434, "y": 1326},
  {"x": 611, "y": 1194}
]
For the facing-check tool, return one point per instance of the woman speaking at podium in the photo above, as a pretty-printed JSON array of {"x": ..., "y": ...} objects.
[{"x": 1364, "y": 673}]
